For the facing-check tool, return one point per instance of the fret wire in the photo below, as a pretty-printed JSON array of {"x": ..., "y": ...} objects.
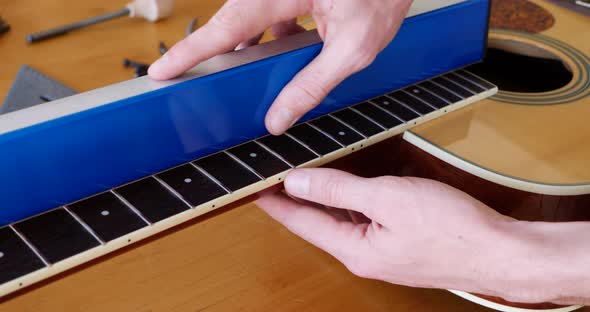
[
  {"x": 388, "y": 112},
  {"x": 244, "y": 164},
  {"x": 449, "y": 90},
  {"x": 325, "y": 134},
  {"x": 131, "y": 207},
  {"x": 476, "y": 76},
  {"x": 172, "y": 190},
  {"x": 303, "y": 144},
  {"x": 211, "y": 177},
  {"x": 404, "y": 105},
  {"x": 457, "y": 84},
  {"x": 84, "y": 225},
  {"x": 273, "y": 153},
  {"x": 369, "y": 118},
  {"x": 434, "y": 94},
  {"x": 470, "y": 80},
  {"x": 347, "y": 125},
  {"x": 419, "y": 99},
  {"x": 30, "y": 245}
]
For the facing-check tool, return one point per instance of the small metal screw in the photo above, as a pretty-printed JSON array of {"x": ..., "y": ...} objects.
[
  {"x": 140, "y": 68},
  {"x": 163, "y": 49}
]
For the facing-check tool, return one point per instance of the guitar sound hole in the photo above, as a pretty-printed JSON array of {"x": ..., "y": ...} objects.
[{"x": 522, "y": 73}]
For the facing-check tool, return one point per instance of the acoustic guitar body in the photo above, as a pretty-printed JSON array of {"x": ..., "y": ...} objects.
[{"x": 524, "y": 151}]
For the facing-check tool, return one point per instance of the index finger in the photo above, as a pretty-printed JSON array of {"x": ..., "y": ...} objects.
[{"x": 236, "y": 21}]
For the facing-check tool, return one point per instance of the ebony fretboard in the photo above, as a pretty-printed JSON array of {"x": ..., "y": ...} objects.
[{"x": 54, "y": 241}]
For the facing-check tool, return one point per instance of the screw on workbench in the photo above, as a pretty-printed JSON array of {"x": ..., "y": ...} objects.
[
  {"x": 140, "y": 68},
  {"x": 162, "y": 47},
  {"x": 191, "y": 26},
  {"x": 4, "y": 27}
]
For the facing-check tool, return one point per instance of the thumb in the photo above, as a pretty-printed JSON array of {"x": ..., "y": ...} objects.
[
  {"x": 338, "y": 189},
  {"x": 343, "y": 240}
]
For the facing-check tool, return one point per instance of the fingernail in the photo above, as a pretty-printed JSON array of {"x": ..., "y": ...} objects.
[
  {"x": 297, "y": 183},
  {"x": 282, "y": 120}
]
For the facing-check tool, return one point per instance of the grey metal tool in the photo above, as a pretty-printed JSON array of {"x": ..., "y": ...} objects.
[
  {"x": 151, "y": 10},
  {"x": 31, "y": 88},
  {"x": 191, "y": 26},
  {"x": 67, "y": 28}
]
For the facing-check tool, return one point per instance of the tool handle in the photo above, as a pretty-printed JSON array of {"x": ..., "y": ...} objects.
[{"x": 35, "y": 37}]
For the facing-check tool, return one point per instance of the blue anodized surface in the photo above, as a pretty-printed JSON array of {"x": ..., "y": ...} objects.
[{"x": 63, "y": 160}]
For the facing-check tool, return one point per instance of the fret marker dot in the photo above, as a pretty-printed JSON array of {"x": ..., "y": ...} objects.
[
  {"x": 253, "y": 155},
  {"x": 416, "y": 91},
  {"x": 341, "y": 133},
  {"x": 1, "y": 254},
  {"x": 105, "y": 213},
  {"x": 385, "y": 102},
  {"x": 188, "y": 180}
]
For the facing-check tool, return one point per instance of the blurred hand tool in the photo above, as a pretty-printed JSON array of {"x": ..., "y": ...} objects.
[{"x": 151, "y": 10}]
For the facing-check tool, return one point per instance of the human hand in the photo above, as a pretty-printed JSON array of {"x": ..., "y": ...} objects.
[
  {"x": 406, "y": 231},
  {"x": 353, "y": 32}
]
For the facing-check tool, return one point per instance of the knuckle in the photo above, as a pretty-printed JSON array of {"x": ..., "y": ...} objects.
[
  {"x": 229, "y": 21},
  {"x": 331, "y": 190},
  {"x": 389, "y": 182},
  {"x": 385, "y": 186},
  {"x": 360, "y": 267},
  {"x": 308, "y": 93}
]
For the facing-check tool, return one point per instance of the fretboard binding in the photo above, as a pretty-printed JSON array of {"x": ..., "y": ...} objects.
[
  {"x": 172, "y": 191},
  {"x": 84, "y": 225},
  {"x": 131, "y": 207},
  {"x": 30, "y": 245}
]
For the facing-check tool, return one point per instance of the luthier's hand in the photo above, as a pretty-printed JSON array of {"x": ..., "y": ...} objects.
[
  {"x": 423, "y": 233},
  {"x": 353, "y": 31}
]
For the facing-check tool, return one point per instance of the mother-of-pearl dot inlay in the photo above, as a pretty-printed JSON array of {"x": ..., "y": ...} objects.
[
  {"x": 385, "y": 102},
  {"x": 188, "y": 180},
  {"x": 253, "y": 155},
  {"x": 105, "y": 213},
  {"x": 1, "y": 254},
  {"x": 341, "y": 133},
  {"x": 416, "y": 91}
]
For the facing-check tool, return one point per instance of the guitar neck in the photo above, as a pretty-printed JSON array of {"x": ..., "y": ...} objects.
[{"x": 51, "y": 242}]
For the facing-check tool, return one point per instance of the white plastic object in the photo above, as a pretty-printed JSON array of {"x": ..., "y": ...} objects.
[{"x": 151, "y": 10}]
